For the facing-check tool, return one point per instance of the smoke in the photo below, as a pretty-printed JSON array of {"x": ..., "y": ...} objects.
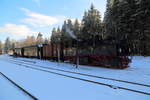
[{"x": 71, "y": 33}]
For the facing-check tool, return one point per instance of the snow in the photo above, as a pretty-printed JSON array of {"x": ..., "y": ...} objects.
[
  {"x": 47, "y": 86},
  {"x": 9, "y": 92},
  {"x": 139, "y": 66}
]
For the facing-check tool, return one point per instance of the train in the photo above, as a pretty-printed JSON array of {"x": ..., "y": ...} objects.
[{"x": 105, "y": 55}]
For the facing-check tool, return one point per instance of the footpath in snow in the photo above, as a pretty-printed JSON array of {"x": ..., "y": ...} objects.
[{"x": 46, "y": 86}]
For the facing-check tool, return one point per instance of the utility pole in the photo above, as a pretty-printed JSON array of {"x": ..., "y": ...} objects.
[
  {"x": 77, "y": 54},
  {"x": 58, "y": 51}
]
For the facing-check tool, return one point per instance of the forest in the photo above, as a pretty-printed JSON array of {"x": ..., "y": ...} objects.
[{"x": 126, "y": 23}]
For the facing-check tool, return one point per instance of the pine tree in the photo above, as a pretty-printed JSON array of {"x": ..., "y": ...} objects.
[
  {"x": 119, "y": 23},
  {"x": 69, "y": 36},
  {"x": 108, "y": 22},
  {"x": 63, "y": 30},
  {"x": 56, "y": 35},
  {"x": 128, "y": 21},
  {"x": 91, "y": 26},
  {"x": 147, "y": 27},
  {"x": 39, "y": 38},
  {"x": 12, "y": 45},
  {"x": 76, "y": 28},
  {"x": 62, "y": 41},
  {"x": 142, "y": 14},
  {"x": 66, "y": 37},
  {"x": 53, "y": 36},
  {"x": 46, "y": 41},
  {"x": 7, "y": 44}
]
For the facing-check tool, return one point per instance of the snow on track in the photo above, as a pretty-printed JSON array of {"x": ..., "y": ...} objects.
[
  {"x": 46, "y": 86},
  {"x": 138, "y": 72},
  {"x": 129, "y": 86}
]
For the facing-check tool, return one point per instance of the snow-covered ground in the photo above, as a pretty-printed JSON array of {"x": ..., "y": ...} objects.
[
  {"x": 46, "y": 86},
  {"x": 10, "y": 92}
]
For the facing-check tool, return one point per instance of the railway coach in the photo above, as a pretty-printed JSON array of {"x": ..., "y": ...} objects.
[
  {"x": 41, "y": 51},
  {"x": 17, "y": 51},
  {"x": 34, "y": 51}
]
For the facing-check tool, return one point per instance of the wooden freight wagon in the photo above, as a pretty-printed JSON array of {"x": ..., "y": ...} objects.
[
  {"x": 47, "y": 51},
  {"x": 56, "y": 51},
  {"x": 0, "y": 52}
]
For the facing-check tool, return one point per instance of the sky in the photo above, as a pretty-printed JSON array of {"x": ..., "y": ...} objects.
[{"x": 22, "y": 18}]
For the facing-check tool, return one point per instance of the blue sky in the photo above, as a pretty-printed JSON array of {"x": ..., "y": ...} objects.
[{"x": 21, "y": 18}]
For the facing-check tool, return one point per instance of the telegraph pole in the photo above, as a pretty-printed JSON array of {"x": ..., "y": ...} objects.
[{"x": 77, "y": 55}]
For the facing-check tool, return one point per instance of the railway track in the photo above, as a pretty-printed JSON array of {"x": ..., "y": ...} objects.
[
  {"x": 35, "y": 67},
  {"x": 19, "y": 87},
  {"x": 99, "y": 77},
  {"x": 28, "y": 61}
]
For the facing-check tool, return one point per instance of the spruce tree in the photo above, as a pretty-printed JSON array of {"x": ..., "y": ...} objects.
[
  {"x": 53, "y": 36},
  {"x": 76, "y": 28},
  {"x": 142, "y": 14},
  {"x": 91, "y": 30},
  {"x": 56, "y": 35},
  {"x": 39, "y": 38},
  {"x": 118, "y": 23},
  {"x": 128, "y": 21},
  {"x": 46, "y": 41},
  {"x": 7, "y": 44}
]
